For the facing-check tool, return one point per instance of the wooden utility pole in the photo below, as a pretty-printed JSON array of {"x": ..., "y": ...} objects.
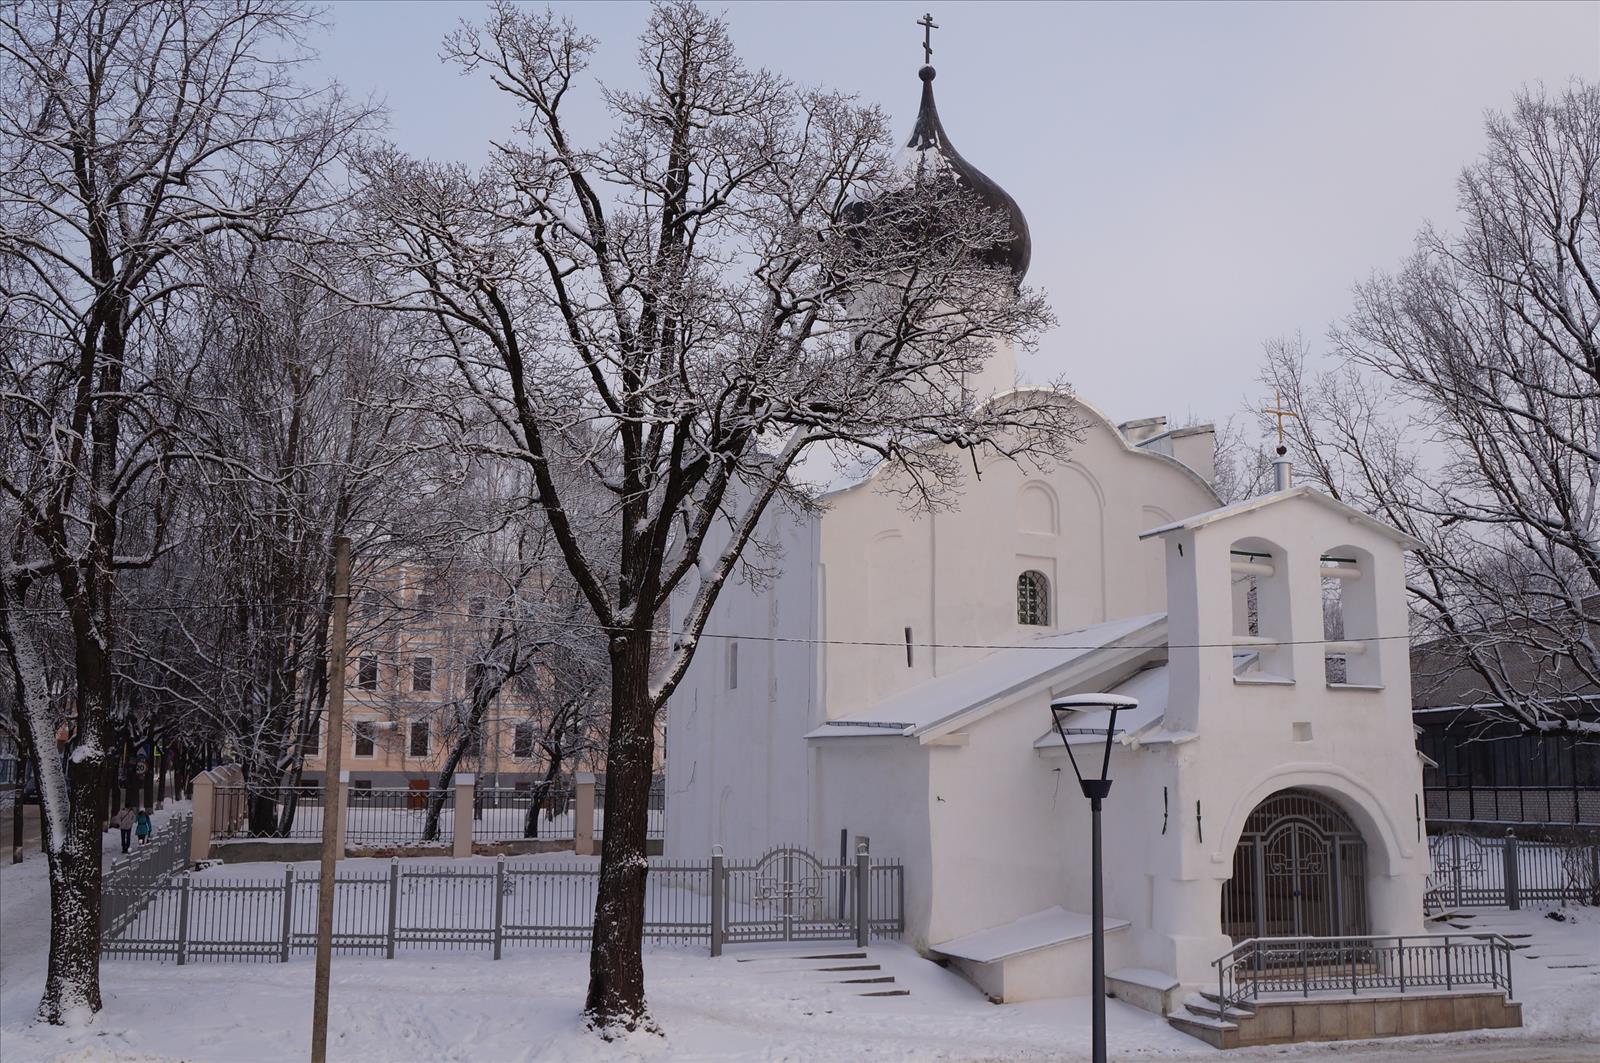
[{"x": 333, "y": 799}]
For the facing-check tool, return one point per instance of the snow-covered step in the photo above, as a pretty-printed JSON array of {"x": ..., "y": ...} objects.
[
  {"x": 1150, "y": 990},
  {"x": 1215, "y": 1032}
]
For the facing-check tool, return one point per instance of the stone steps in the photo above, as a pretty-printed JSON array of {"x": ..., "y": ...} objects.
[{"x": 866, "y": 978}]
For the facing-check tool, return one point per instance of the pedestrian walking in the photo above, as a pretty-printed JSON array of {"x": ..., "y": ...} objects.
[
  {"x": 141, "y": 826},
  {"x": 125, "y": 825}
]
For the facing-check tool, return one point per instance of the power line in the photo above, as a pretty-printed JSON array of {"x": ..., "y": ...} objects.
[{"x": 597, "y": 629}]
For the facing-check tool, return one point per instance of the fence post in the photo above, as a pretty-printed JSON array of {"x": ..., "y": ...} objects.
[
  {"x": 583, "y": 814},
  {"x": 183, "y": 919},
  {"x": 863, "y": 874},
  {"x": 394, "y": 906},
  {"x": 288, "y": 913},
  {"x": 1455, "y": 864},
  {"x": 461, "y": 819},
  {"x": 200, "y": 822},
  {"x": 717, "y": 900},
  {"x": 1511, "y": 870},
  {"x": 499, "y": 902},
  {"x": 1594, "y": 874}
]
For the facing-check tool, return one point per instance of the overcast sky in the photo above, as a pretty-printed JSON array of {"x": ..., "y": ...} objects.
[{"x": 1197, "y": 177}]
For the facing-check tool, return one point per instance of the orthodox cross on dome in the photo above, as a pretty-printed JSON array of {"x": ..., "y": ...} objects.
[
  {"x": 928, "y": 26},
  {"x": 1277, "y": 410}
]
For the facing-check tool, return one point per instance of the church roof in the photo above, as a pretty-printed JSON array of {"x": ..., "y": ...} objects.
[
  {"x": 943, "y": 703},
  {"x": 1250, "y": 505}
]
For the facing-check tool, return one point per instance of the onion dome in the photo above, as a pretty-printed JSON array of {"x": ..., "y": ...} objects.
[{"x": 929, "y": 151}]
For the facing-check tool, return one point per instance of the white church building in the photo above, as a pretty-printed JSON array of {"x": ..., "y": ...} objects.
[{"x": 892, "y": 680}]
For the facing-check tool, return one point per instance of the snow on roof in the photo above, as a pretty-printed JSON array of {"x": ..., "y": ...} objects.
[
  {"x": 1053, "y": 926},
  {"x": 1001, "y": 673},
  {"x": 1148, "y": 687},
  {"x": 1250, "y": 505}
]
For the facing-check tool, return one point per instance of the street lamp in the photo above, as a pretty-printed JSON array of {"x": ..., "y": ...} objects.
[{"x": 1095, "y": 788}]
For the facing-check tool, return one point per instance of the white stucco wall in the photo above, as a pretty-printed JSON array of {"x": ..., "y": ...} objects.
[
  {"x": 737, "y": 768},
  {"x": 950, "y": 575}
]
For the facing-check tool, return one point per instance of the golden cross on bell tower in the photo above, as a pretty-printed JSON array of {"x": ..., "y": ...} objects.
[
  {"x": 1277, "y": 410},
  {"x": 928, "y": 26}
]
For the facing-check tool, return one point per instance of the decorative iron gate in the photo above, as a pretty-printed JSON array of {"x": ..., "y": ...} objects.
[
  {"x": 1299, "y": 871},
  {"x": 790, "y": 895}
]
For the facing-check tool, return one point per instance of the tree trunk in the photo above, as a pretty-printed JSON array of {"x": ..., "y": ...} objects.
[
  {"x": 158, "y": 766},
  {"x": 541, "y": 794},
  {"x": 72, "y": 981},
  {"x": 616, "y": 963}
]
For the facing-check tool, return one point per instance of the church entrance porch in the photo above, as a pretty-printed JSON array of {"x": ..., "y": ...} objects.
[{"x": 1299, "y": 871}]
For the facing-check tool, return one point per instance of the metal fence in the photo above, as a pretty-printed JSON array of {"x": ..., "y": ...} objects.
[
  {"x": 1304, "y": 965},
  {"x": 655, "y": 811},
  {"x": 1469, "y": 871},
  {"x": 504, "y": 815},
  {"x": 128, "y": 883},
  {"x": 385, "y": 816},
  {"x": 1554, "y": 805},
  {"x": 230, "y": 813},
  {"x": 491, "y": 907}
]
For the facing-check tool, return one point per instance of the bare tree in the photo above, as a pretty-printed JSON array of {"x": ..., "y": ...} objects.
[
  {"x": 133, "y": 137},
  {"x": 1465, "y": 410},
  {"x": 668, "y": 318}
]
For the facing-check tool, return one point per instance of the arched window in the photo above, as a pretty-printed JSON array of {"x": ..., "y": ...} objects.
[{"x": 1033, "y": 599}]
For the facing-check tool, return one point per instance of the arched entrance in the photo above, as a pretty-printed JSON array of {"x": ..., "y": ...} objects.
[{"x": 1300, "y": 870}]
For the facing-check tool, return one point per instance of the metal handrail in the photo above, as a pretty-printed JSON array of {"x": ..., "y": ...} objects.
[{"x": 1384, "y": 954}]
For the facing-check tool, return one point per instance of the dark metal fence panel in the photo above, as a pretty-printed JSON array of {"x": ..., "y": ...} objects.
[
  {"x": 391, "y": 816},
  {"x": 1470, "y": 871},
  {"x": 655, "y": 811},
  {"x": 503, "y": 815},
  {"x": 297, "y": 812},
  {"x": 1553, "y": 805}
]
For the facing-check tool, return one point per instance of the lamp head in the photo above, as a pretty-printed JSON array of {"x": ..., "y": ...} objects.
[{"x": 1062, "y": 709}]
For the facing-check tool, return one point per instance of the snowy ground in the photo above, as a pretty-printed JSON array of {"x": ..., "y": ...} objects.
[{"x": 437, "y": 1007}]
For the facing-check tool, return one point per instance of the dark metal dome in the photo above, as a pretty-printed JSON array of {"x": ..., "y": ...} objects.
[{"x": 928, "y": 135}]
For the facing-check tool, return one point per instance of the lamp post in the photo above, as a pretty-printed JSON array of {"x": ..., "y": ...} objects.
[{"x": 1095, "y": 788}]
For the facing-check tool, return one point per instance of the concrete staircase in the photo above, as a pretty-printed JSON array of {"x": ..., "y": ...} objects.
[
  {"x": 853, "y": 971},
  {"x": 1334, "y": 1017},
  {"x": 1544, "y": 941}
]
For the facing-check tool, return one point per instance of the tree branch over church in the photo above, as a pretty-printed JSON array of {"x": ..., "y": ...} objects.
[{"x": 664, "y": 319}]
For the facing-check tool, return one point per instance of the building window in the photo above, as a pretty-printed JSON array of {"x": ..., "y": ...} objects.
[
  {"x": 422, "y": 673},
  {"x": 419, "y": 738},
  {"x": 312, "y": 746},
  {"x": 1033, "y": 599},
  {"x": 366, "y": 738},
  {"x": 367, "y": 672},
  {"x": 522, "y": 742},
  {"x": 362, "y": 786}
]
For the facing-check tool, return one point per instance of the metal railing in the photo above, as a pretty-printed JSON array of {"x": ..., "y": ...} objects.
[
  {"x": 1261, "y": 967},
  {"x": 1470, "y": 871},
  {"x": 127, "y": 884},
  {"x": 1552, "y": 805},
  {"x": 655, "y": 828},
  {"x": 503, "y": 815},
  {"x": 386, "y": 816},
  {"x": 230, "y": 813},
  {"x": 477, "y": 907}
]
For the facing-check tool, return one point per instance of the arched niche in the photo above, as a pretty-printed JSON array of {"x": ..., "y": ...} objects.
[{"x": 1038, "y": 511}]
